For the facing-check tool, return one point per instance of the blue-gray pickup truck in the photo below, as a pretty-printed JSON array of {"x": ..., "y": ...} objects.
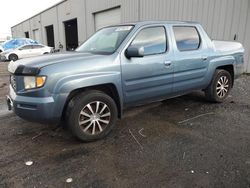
[{"x": 122, "y": 66}]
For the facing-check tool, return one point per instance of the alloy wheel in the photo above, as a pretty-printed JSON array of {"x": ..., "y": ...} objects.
[
  {"x": 94, "y": 117},
  {"x": 222, "y": 86}
]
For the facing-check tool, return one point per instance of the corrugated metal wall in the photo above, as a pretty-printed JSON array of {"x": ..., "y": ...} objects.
[{"x": 222, "y": 19}]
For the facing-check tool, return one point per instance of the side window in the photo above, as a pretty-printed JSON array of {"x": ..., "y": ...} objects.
[
  {"x": 153, "y": 39},
  {"x": 37, "y": 46},
  {"x": 187, "y": 38},
  {"x": 27, "y": 47}
]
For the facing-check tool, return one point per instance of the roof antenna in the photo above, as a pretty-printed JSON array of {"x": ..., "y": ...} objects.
[{"x": 235, "y": 37}]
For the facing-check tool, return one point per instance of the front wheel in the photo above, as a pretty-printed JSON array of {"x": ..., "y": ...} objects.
[
  {"x": 91, "y": 115},
  {"x": 13, "y": 57},
  {"x": 219, "y": 87}
]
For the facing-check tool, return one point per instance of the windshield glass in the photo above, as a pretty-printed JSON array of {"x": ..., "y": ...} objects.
[{"x": 106, "y": 40}]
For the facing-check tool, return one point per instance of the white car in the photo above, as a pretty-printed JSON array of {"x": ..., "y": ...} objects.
[{"x": 28, "y": 50}]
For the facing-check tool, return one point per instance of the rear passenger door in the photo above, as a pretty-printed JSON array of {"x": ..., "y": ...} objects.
[
  {"x": 149, "y": 77},
  {"x": 190, "y": 65},
  {"x": 37, "y": 50}
]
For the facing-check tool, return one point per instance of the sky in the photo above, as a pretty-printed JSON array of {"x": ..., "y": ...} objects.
[{"x": 13, "y": 12}]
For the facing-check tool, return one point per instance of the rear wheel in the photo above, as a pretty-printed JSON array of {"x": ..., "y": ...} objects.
[
  {"x": 13, "y": 57},
  {"x": 91, "y": 115},
  {"x": 220, "y": 86}
]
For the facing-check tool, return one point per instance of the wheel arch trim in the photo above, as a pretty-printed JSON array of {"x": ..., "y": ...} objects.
[{"x": 109, "y": 88}]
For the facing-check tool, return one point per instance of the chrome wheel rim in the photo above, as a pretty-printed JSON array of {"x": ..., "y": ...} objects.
[
  {"x": 222, "y": 87},
  {"x": 94, "y": 117}
]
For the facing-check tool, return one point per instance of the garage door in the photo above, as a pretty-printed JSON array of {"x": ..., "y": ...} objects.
[
  {"x": 36, "y": 35},
  {"x": 106, "y": 18}
]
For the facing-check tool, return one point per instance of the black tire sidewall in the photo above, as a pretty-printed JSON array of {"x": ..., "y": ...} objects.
[
  {"x": 219, "y": 74},
  {"x": 77, "y": 104},
  {"x": 13, "y": 55}
]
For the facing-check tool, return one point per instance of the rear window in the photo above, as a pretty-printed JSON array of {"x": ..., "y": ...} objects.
[{"x": 187, "y": 38}]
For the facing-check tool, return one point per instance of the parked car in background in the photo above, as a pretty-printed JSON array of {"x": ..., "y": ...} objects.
[
  {"x": 24, "y": 51},
  {"x": 122, "y": 66},
  {"x": 14, "y": 43}
]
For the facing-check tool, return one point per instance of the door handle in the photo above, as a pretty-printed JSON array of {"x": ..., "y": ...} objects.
[{"x": 167, "y": 63}]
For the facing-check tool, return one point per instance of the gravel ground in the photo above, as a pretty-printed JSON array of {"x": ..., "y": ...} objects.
[{"x": 182, "y": 142}]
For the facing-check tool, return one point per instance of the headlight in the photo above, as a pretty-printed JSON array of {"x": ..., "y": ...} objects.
[{"x": 31, "y": 82}]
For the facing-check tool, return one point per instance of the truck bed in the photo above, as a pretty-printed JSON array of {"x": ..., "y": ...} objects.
[{"x": 227, "y": 47}]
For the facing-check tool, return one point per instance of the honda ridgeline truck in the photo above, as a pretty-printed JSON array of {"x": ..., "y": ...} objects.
[{"x": 122, "y": 66}]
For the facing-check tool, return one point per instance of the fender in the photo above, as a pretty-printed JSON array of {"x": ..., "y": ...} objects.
[
  {"x": 67, "y": 84},
  {"x": 218, "y": 62}
]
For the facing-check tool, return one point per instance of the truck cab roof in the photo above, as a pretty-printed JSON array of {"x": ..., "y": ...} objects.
[{"x": 143, "y": 23}]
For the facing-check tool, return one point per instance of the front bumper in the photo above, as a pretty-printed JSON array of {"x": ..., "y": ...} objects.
[{"x": 38, "y": 109}]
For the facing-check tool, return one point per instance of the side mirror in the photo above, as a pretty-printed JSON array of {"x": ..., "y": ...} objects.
[{"x": 132, "y": 51}]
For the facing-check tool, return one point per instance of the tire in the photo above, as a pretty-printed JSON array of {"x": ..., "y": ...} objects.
[
  {"x": 78, "y": 112},
  {"x": 13, "y": 57},
  {"x": 220, "y": 86}
]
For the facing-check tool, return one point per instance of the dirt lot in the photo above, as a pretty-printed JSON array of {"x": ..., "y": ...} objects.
[{"x": 183, "y": 142}]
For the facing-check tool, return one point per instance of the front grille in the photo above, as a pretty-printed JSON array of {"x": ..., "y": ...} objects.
[{"x": 13, "y": 81}]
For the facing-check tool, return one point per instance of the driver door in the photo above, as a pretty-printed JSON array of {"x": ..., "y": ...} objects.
[
  {"x": 150, "y": 77},
  {"x": 25, "y": 51}
]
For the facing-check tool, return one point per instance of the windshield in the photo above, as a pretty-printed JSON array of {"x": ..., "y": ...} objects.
[{"x": 105, "y": 41}]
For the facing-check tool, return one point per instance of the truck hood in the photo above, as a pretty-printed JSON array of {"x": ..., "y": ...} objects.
[
  {"x": 33, "y": 65},
  {"x": 227, "y": 47}
]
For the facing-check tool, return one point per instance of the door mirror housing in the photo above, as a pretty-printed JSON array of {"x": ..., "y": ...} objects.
[{"x": 132, "y": 51}]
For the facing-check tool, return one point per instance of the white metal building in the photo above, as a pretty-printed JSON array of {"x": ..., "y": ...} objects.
[{"x": 70, "y": 22}]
